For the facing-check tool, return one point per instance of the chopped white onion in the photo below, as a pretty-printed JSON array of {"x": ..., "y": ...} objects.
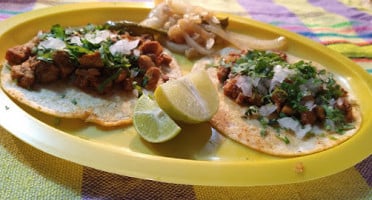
[
  {"x": 301, "y": 132},
  {"x": 76, "y": 40},
  {"x": 317, "y": 130},
  {"x": 310, "y": 105},
  {"x": 123, "y": 47},
  {"x": 324, "y": 77},
  {"x": 52, "y": 43},
  {"x": 256, "y": 81},
  {"x": 280, "y": 74},
  {"x": 267, "y": 109},
  {"x": 339, "y": 101},
  {"x": 289, "y": 123},
  {"x": 245, "y": 84},
  {"x": 136, "y": 52},
  {"x": 331, "y": 102},
  {"x": 133, "y": 73},
  {"x": 329, "y": 123},
  {"x": 98, "y": 36},
  {"x": 295, "y": 126},
  {"x": 311, "y": 86}
]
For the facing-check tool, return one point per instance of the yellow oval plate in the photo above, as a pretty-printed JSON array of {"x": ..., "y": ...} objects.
[{"x": 199, "y": 155}]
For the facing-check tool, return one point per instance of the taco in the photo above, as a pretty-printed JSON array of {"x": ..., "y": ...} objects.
[
  {"x": 278, "y": 104},
  {"x": 94, "y": 73}
]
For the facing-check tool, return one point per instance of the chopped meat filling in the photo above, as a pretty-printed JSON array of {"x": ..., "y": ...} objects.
[
  {"x": 24, "y": 74},
  {"x": 98, "y": 64}
]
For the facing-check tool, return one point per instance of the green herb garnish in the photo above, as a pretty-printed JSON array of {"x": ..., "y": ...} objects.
[
  {"x": 298, "y": 88},
  {"x": 107, "y": 81},
  {"x": 283, "y": 138},
  {"x": 74, "y": 101},
  {"x": 58, "y": 31},
  {"x": 257, "y": 64}
]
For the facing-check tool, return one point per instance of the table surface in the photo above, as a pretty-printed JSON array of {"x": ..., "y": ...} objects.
[{"x": 344, "y": 26}]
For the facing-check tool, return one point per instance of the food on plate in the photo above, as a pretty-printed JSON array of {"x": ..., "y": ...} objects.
[
  {"x": 95, "y": 72},
  {"x": 257, "y": 95},
  {"x": 152, "y": 123},
  {"x": 195, "y": 31},
  {"x": 276, "y": 103},
  {"x": 190, "y": 99}
]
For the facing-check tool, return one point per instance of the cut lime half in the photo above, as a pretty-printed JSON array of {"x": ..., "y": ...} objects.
[{"x": 152, "y": 123}]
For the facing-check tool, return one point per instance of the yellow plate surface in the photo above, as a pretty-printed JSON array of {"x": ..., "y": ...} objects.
[{"x": 199, "y": 155}]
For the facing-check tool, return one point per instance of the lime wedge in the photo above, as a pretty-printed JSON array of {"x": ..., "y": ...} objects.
[
  {"x": 152, "y": 123},
  {"x": 191, "y": 99}
]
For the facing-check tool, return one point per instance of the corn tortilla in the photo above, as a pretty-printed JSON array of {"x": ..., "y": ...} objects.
[
  {"x": 62, "y": 99},
  {"x": 229, "y": 121}
]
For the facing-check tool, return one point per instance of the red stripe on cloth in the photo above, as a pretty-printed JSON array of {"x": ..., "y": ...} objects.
[
  {"x": 362, "y": 60},
  {"x": 329, "y": 42}
]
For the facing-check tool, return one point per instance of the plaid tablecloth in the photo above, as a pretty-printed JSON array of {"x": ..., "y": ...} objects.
[{"x": 344, "y": 25}]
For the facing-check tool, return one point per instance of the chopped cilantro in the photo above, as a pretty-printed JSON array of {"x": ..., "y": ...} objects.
[
  {"x": 58, "y": 31},
  {"x": 145, "y": 81},
  {"x": 89, "y": 28},
  {"x": 257, "y": 63},
  {"x": 45, "y": 55},
  {"x": 263, "y": 132},
  {"x": 264, "y": 123},
  {"x": 338, "y": 118},
  {"x": 102, "y": 86},
  {"x": 138, "y": 88},
  {"x": 332, "y": 137},
  {"x": 305, "y": 69},
  {"x": 74, "y": 101},
  {"x": 252, "y": 110},
  {"x": 76, "y": 51},
  {"x": 88, "y": 45},
  {"x": 283, "y": 138},
  {"x": 114, "y": 61}
]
